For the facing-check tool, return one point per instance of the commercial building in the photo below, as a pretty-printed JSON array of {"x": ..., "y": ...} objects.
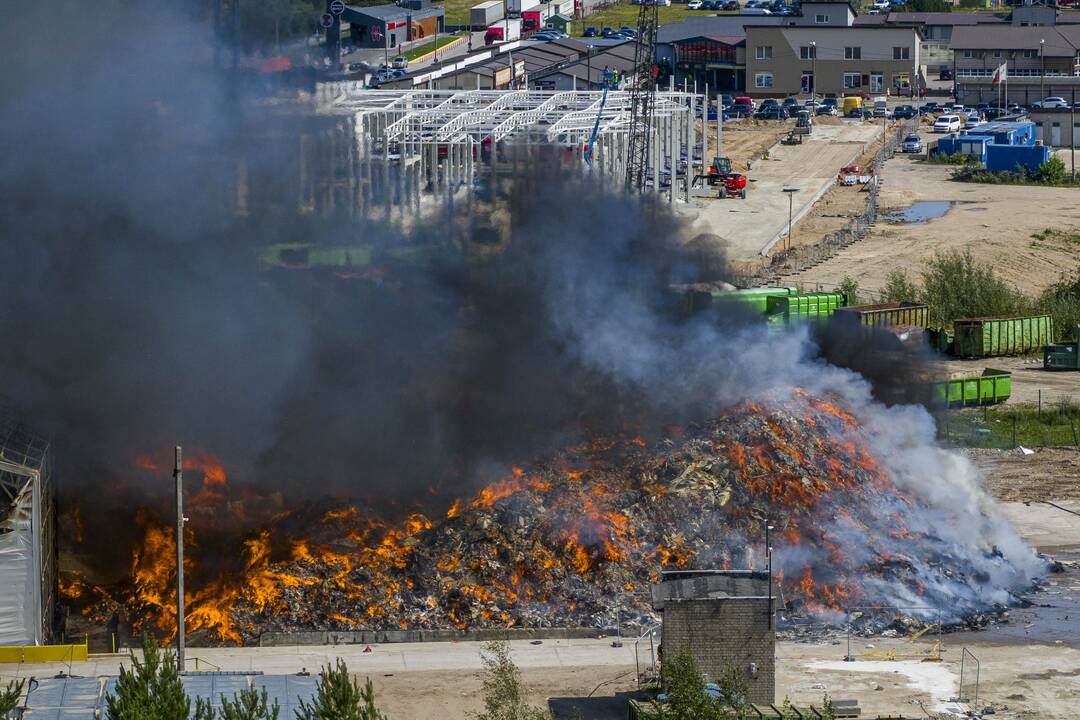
[
  {"x": 824, "y": 51},
  {"x": 708, "y": 50},
  {"x": 723, "y": 619},
  {"x": 388, "y": 26},
  {"x": 1040, "y": 61}
]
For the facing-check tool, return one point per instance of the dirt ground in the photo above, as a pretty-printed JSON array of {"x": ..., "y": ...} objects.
[{"x": 995, "y": 222}]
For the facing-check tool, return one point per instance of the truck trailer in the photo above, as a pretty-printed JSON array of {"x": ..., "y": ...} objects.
[
  {"x": 484, "y": 14},
  {"x": 503, "y": 31}
]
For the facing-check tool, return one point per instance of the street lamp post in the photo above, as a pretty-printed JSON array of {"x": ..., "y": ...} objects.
[
  {"x": 791, "y": 203},
  {"x": 1042, "y": 71},
  {"x": 768, "y": 558},
  {"x": 813, "y": 71}
]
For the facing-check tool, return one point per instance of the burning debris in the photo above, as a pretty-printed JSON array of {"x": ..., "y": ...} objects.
[{"x": 566, "y": 541}]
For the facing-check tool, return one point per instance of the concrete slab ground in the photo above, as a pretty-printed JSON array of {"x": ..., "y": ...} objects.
[{"x": 749, "y": 225}]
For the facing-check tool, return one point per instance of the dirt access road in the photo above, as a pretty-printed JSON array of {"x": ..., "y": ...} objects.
[
  {"x": 747, "y": 226},
  {"x": 995, "y": 222}
]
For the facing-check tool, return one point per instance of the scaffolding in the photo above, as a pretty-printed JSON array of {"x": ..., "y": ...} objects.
[
  {"x": 410, "y": 143},
  {"x": 28, "y": 573}
]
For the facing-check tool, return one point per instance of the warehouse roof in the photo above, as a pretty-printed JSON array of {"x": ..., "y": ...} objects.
[
  {"x": 729, "y": 25},
  {"x": 388, "y": 12},
  {"x": 943, "y": 18},
  {"x": 1059, "y": 42}
]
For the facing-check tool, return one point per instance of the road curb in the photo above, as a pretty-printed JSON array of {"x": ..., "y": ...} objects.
[{"x": 444, "y": 48}]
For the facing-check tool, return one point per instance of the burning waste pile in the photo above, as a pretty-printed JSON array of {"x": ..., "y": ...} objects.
[{"x": 565, "y": 542}]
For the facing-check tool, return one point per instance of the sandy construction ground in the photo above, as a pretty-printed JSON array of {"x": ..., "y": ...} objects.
[
  {"x": 747, "y": 226},
  {"x": 995, "y": 222}
]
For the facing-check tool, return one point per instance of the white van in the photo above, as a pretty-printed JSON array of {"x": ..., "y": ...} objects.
[{"x": 947, "y": 124}]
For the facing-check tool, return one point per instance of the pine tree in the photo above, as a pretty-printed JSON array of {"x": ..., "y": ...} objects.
[
  {"x": 341, "y": 698},
  {"x": 249, "y": 705},
  {"x": 150, "y": 690},
  {"x": 9, "y": 697},
  {"x": 504, "y": 693}
]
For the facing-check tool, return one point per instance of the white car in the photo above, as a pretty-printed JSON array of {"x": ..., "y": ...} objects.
[
  {"x": 881, "y": 5},
  {"x": 694, "y": 4},
  {"x": 947, "y": 124},
  {"x": 1052, "y": 102}
]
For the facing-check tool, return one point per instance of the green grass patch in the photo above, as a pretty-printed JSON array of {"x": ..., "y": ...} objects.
[
  {"x": 419, "y": 50},
  {"x": 1057, "y": 236},
  {"x": 1007, "y": 426},
  {"x": 949, "y": 159},
  {"x": 457, "y": 11}
]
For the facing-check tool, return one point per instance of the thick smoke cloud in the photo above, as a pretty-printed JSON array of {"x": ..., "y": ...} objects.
[{"x": 135, "y": 314}]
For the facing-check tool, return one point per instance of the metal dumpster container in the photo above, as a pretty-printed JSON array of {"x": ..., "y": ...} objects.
[
  {"x": 811, "y": 306},
  {"x": 974, "y": 388},
  {"x": 898, "y": 313},
  {"x": 1007, "y": 335}
]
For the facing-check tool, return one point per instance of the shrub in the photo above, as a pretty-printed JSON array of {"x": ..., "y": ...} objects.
[
  {"x": 940, "y": 158},
  {"x": 1062, "y": 302},
  {"x": 955, "y": 286},
  {"x": 10, "y": 696},
  {"x": 1052, "y": 172},
  {"x": 899, "y": 288},
  {"x": 504, "y": 693},
  {"x": 850, "y": 287}
]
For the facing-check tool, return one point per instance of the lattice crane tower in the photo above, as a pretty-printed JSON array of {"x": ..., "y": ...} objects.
[{"x": 642, "y": 96}]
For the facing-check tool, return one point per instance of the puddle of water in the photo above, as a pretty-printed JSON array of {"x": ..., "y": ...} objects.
[{"x": 920, "y": 213}]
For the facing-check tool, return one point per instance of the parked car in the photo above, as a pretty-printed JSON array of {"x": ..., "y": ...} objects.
[
  {"x": 944, "y": 74},
  {"x": 607, "y": 32},
  {"x": 730, "y": 6},
  {"x": 911, "y": 144},
  {"x": 790, "y": 102},
  {"x": 768, "y": 103},
  {"x": 591, "y": 32},
  {"x": 740, "y": 110},
  {"x": 905, "y": 112},
  {"x": 694, "y": 5},
  {"x": 400, "y": 62},
  {"x": 1052, "y": 102},
  {"x": 827, "y": 107},
  {"x": 971, "y": 119},
  {"x": 929, "y": 108},
  {"x": 772, "y": 112},
  {"x": 726, "y": 101},
  {"x": 947, "y": 124}
]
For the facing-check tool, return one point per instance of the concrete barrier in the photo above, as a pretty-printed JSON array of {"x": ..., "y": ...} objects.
[
  {"x": 378, "y": 637},
  {"x": 43, "y": 653}
]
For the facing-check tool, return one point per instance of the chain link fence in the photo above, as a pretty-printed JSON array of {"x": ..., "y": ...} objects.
[{"x": 802, "y": 257}]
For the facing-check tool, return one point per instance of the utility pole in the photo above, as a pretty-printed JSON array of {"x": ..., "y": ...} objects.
[
  {"x": 813, "y": 71},
  {"x": 768, "y": 558},
  {"x": 1042, "y": 72},
  {"x": 791, "y": 202},
  {"x": 178, "y": 473},
  {"x": 1072, "y": 132}
]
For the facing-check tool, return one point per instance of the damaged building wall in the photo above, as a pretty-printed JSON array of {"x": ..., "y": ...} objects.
[{"x": 718, "y": 631}]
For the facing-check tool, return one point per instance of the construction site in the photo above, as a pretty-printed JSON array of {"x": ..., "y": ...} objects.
[{"x": 668, "y": 404}]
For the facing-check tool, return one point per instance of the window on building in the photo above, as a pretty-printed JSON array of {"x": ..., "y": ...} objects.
[
  {"x": 807, "y": 52},
  {"x": 852, "y": 80},
  {"x": 763, "y": 52},
  {"x": 901, "y": 53},
  {"x": 1027, "y": 54},
  {"x": 821, "y": 19},
  {"x": 968, "y": 54},
  {"x": 997, "y": 53},
  {"x": 763, "y": 80},
  {"x": 853, "y": 53}
]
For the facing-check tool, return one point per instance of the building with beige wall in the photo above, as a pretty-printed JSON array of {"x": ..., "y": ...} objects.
[{"x": 825, "y": 52}]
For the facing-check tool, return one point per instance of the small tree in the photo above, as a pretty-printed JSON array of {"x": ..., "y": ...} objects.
[
  {"x": 899, "y": 287},
  {"x": 684, "y": 686},
  {"x": 956, "y": 286},
  {"x": 1052, "y": 172},
  {"x": 249, "y": 705},
  {"x": 150, "y": 690},
  {"x": 10, "y": 696},
  {"x": 850, "y": 287},
  {"x": 504, "y": 693},
  {"x": 341, "y": 698}
]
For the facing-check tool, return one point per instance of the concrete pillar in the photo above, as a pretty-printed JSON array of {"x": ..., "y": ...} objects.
[
  {"x": 705, "y": 134},
  {"x": 654, "y": 152},
  {"x": 690, "y": 144},
  {"x": 673, "y": 159}
]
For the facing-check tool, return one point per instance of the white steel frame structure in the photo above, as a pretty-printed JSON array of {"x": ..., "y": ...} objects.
[{"x": 413, "y": 142}]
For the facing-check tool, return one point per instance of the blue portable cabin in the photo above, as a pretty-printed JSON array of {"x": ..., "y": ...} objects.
[
  {"x": 973, "y": 145},
  {"x": 1006, "y": 132},
  {"x": 1010, "y": 157}
]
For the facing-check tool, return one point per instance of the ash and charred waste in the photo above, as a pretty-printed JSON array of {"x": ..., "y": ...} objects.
[{"x": 566, "y": 542}]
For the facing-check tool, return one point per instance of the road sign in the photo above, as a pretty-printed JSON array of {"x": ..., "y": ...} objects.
[
  {"x": 327, "y": 20},
  {"x": 337, "y": 7}
]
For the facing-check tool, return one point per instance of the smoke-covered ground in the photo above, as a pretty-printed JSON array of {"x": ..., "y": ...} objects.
[{"x": 136, "y": 316}]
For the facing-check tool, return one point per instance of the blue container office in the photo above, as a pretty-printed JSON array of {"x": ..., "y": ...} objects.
[{"x": 999, "y": 145}]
